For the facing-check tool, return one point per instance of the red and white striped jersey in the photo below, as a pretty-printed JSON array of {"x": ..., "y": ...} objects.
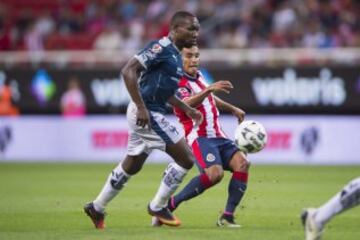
[{"x": 210, "y": 127}]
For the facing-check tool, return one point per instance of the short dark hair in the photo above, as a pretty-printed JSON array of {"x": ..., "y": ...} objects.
[{"x": 179, "y": 18}]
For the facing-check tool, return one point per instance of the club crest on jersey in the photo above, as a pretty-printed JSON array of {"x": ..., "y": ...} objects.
[
  {"x": 210, "y": 157},
  {"x": 184, "y": 92},
  {"x": 156, "y": 48}
]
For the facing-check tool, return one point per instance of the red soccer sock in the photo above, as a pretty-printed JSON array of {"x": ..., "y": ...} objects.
[
  {"x": 241, "y": 176},
  {"x": 205, "y": 181}
]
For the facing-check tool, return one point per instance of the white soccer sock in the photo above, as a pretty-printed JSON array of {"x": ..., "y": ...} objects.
[
  {"x": 328, "y": 210},
  {"x": 349, "y": 197},
  {"x": 113, "y": 185},
  {"x": 174, "y": 174}
]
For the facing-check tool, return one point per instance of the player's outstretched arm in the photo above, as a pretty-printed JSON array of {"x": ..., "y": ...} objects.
[
  {"x": 131, "y": 72},
  {"x": 225, "y": 106},
  {"x": 189, "y": 111},
  {"x": 197, "y": 99}
]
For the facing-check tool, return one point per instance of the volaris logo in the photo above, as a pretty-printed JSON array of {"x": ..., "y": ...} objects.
[
  {"x": 42, "y": 86},
  {"x": 292, "y": 89}
]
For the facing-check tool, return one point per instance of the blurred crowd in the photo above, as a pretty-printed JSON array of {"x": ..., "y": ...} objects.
[{"x": 128, "y": 24}]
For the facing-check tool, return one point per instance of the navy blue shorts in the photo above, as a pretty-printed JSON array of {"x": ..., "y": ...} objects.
[{"x": 213, "y": 151}]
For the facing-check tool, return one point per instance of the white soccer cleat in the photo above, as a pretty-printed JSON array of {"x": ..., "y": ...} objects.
[
  {"x": 225, "y": 220},
  {"x": 313, "y": 231},
  {"x": 155, "y": 222}
]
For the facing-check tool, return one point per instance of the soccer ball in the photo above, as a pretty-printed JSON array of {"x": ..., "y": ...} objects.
[{"x": 250, "y": 136}]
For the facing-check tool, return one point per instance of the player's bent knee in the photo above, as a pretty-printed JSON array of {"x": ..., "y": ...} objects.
[
  {"x": 131, "y": 169},
  {"x": 181, "y": 153},
  {"x": 187, "y": 160},
  {"x": 215, "y": 174},
  {"x": 189, "y": 163},
  {"x": 246, "y": 165},
  {"x": 239, "y": 162},
  {"x": 133, "y": 164}
]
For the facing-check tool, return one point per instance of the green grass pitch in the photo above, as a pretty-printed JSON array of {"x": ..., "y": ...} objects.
[{"x": 44, "y": 201}]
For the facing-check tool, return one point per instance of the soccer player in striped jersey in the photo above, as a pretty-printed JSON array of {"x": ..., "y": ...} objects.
[{"x": 214, "y": 152}]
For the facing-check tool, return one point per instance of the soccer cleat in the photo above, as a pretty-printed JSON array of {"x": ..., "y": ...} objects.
[
  {"x": 171, "y": 204},
  {"x": 96, "y": 217},
  {"x": 155, "y": 222},
  {"x": 165, "y": 216},
  {"x": 312, "y": 230},
  {"x": 227, "y": 220}
]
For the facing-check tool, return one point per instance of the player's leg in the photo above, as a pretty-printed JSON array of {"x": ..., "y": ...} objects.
[
  {"x": 239, "y": 165},
  {"x": 117, "y": 179},
  {"x": 197, "y": 186},
  {"x": 137, "y": 154},
  {"x": 209, "y": 163},
  {"x": 315, "y": 219},
  {"x": 113, "y": 185},
  {"x": 175, "y": 145},
  {"x": 348, "y": 197},
  {"x": 171, "y": 180}
]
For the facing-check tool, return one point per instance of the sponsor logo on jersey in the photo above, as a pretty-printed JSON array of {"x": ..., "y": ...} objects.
[
  {"x": 149, "y": 55},
  {"x": 210, "y": 157},
  {"x": 156, "y": 48}
]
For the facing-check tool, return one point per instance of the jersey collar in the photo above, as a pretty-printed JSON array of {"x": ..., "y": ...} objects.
[
  {"x": 168, "y": 37},
  {"x": 191, "y": 78}
]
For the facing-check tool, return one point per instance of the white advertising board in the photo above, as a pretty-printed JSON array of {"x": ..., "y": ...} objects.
[
  {"x": 310, "y": 140},
  {"x": 291, "y": 139}
]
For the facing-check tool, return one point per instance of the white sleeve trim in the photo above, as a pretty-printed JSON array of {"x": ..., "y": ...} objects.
[{"x": 141, "y": 60}]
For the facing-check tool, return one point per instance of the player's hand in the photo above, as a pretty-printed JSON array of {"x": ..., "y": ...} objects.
[
  {"x": 142, "y": 117},
  {"x": 195, "y": 115},
  {"x": 221, "y": 86},
  {"x": 240, "y": 114}
]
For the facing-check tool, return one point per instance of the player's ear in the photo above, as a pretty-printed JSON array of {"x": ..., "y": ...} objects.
[
  {"x": 175, "y": 31},
  {"x": 177, "y": 28}
]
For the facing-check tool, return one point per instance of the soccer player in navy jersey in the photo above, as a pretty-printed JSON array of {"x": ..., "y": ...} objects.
[
  {"x": 152, "y": 78},
  {"x": 214, "y": 152}
]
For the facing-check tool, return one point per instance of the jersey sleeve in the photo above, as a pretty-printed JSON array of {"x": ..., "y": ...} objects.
[{"x": 151, "y": 55}]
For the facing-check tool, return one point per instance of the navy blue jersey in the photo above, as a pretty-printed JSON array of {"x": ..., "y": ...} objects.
[{"x": 163, "y": 70}]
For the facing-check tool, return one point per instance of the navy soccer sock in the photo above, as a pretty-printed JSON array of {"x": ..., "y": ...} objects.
[
  {"x": 195, "y": 187},
  {"x": 236, "y": 190}
]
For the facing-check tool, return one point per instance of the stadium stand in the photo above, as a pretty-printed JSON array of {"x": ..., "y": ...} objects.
[{"x": 76, "y": 24}]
